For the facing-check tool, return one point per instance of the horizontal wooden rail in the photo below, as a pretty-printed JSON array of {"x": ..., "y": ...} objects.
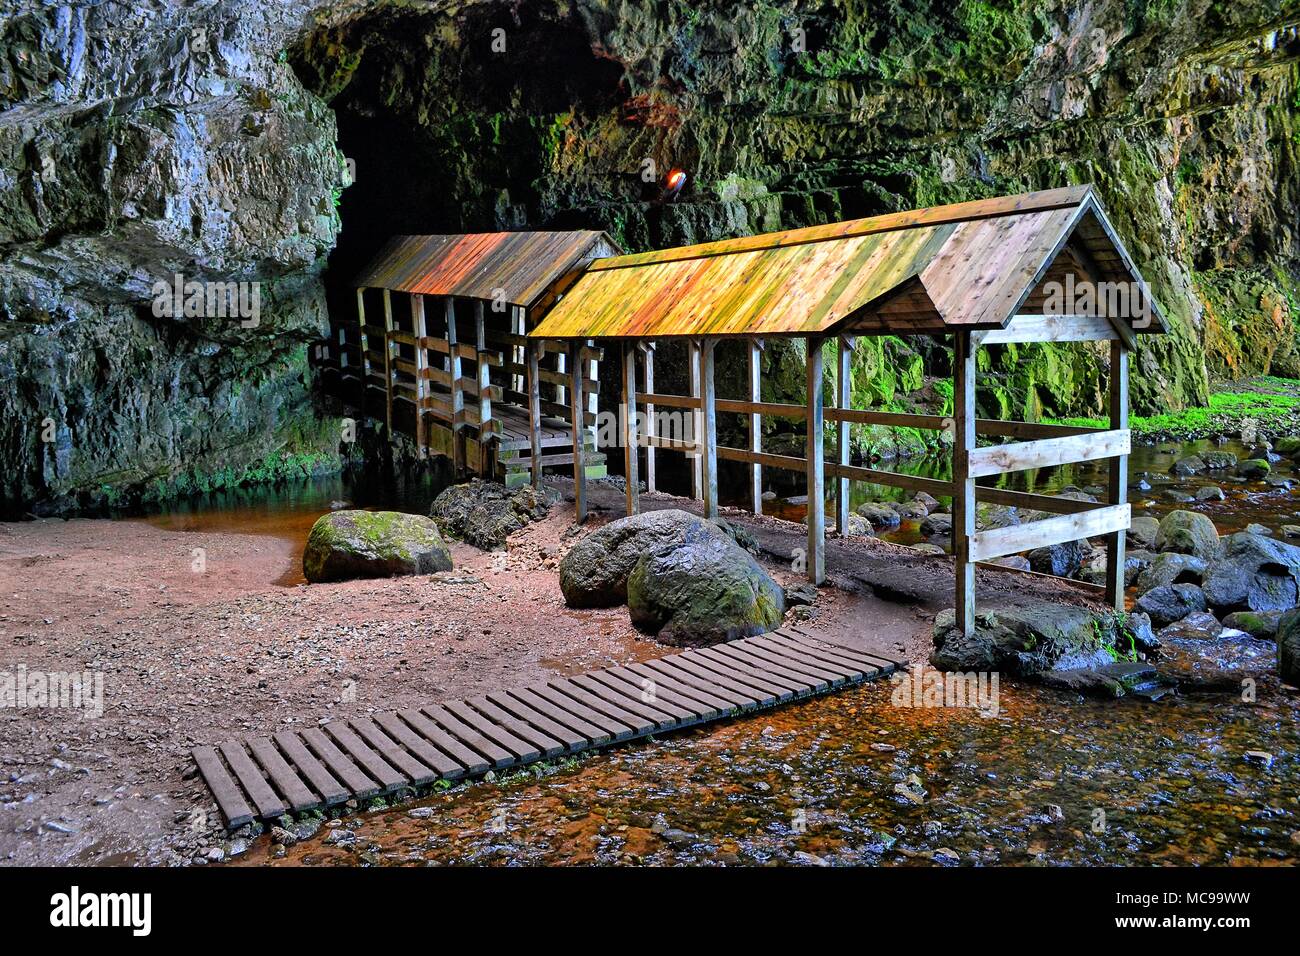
[
  {"x": 894, "y": 479},
  {"x": 672, "y": 401},
  {"x": 671, "y": 444},
  {"x": 1050, "y": 328},
  {"x": 1024, "y": 499},
  {"x": 788, "y": 462},
  {"x": 1000, "y": 459},
  {"x": 999, "y": 542}
]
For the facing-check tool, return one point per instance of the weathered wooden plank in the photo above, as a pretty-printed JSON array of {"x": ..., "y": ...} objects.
[
  {"x": 639, "y": 724},
  {"x": 497, "y": 755},
  {"x": 1046, "y": 452},
  {"x": 708, "y": 430},
  {"x": 998, "y": 542},
  {"x": 816, "y": 470},
  {"x": 844, "y": 657},
  {"x": 814, "y": 679},
  {"x": 1050, "y": 328},
  {"x": 723, "y": 669},
  {"x": 629, "y": 698},
  {"x": 702, "y": 688},
  {"x": 631, "y": 456},
  {"x": 754, "y": 347},
  {"x": 446, "y": 766},
  {"x": 1117, "y": 485},
  {"x": 681, "y": 664},
  {"x": 689, "y": 692},
  {"x": 892, "y": 479},
  {"x": 630, "y": 689},
  {"x": 843, "y": 395},
  {"x": 535, "y": 412},
  {"x": 596, "y": 733},
  {"x": 522, "y": 750},
  {"x": 800, "y": 661},
  {"x": 569, "y": 739},
  {"x": 266, "y": 800},
  {"x": 284, "y": 777},
  {"x": 618, "y": 729},
  {"x": 332, "y": 791},
  {"x": 694, "y": 373},
  {"x": 579, "y": 407},
  {"x": 659, "y": 690},
  {"x": 884, "y": 664},
  {"x": 963, "y": 481},
  {"x": 389, "y": 777},
  {"x": 672, "y": 401},
  {"x": 1053, "y": 504},
  {"x": 396, "y": 756},
  {"x": 473, "y": 762},
  {"x": 340, "y": 764},
  {"x": 230, "y": 799},
  {"x": 737, "y": 661}
]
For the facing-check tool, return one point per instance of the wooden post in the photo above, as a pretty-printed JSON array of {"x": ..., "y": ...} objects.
[
  {"x": 418, "y": 330},
  {"x": 708, "y": 458},
  {"x": 816, "y": 458},
  {"x": 755, "y": 348},
  {"x": 630, "y": 450},
  {"x": 457, "y": 395},
  {"x": 1117, "y": 491},
  {"x": 364, "y": 342},
  {"x": 483, "y": 374},
  {"x": 650, "y": 416},
  {"x": 578, "y": 405},
  {"x": 535, "y": 411},
  {"x": 697, "y": 425},
  {"x": 842, "y": 401},
  {"x": 388, "y": 361},
  {"x": 963, "y": 486}
]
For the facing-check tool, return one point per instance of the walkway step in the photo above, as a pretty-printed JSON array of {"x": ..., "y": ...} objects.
[{"x": 362, "y": 757}]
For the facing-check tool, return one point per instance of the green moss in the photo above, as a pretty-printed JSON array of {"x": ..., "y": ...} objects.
[{"x": 1226, "y": 412}]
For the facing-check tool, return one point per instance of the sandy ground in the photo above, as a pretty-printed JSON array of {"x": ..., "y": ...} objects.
[{"x": 194, "y": 656}]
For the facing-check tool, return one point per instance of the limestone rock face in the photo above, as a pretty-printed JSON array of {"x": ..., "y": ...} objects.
[
  {"x": 485, "y": 513},
  {"x": 595, "y": 571},
  {"x": 702, "y": 592},
  {"x": 373, "y": 544}
]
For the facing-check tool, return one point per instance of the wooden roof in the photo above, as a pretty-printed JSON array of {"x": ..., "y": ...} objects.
[
  {"x": 969, "y": 266},
  {"x": 528, "y": 268}
]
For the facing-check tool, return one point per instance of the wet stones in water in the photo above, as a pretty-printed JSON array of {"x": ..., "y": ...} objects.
[
  {"x": 937, "y": 526},
  {"x": 1178, "y": 497},
  {"x": 1139, "y": 628},
  {"x": 1062, "y": 560},
  {"x": 1218, "y": 460},
  {"x": 1291, "y": 530},
  {"x": 1171, "y": 602},
  {"x": 1288, "y": 447},
  {"x": 1171, "y": 568},
  {"x": 929, "y": 502},
  {"x": 908, "y": 510},
  {"x": 879, "y": 516},
  {"x": 1288, "y": 647},
  {"x": 703, "y": 592},
  {"x": 1210, "y": 493},
  {"x": 373, "y": 544},
  {"x": 1188, "y": 466},
  {"x": 1195, "y": 626},
  {"x": 595, "y": 571},
  {"x": 1026, "y": 637},
  {"x": 1253, "y": 573},
  {"x": 1187, "y": 532},
  {"x": 485, "y": 513},
  {"x": 1142, "y": 533},
  {"x": 1254, "y": 469},
  {"x": 1259, "y": 624},
  {"x": 1117, "y": 679},
  {"x": 995, "y": 516},
  {"x": 1199, "y": 664}
]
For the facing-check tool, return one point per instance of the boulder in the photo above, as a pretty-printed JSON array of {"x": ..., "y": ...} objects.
[
  {"x": 373, "y": 544},
  {"x": 1210, "y": 493},
  {"x": 1188, "y": 465},
  {"x": 703, "y": 591},
  {"x": 1196, "y": 626},
  {"x": 1259, "y": 624},
  {"x": 1026, "y": 637},
  {"x": 1171, "y": 602},
  {"x": 1063, "y": 560},
  {"x": 1187, "y": 532},
  {"x": 1288, "y": 647},
  {"x": 1218, "y": 460},
  {"x": 1109, "y": 680},
  {"x": 1253, "y": 573},
  {"x": 1171, "y": 568},
  {"x": 485, "y": 513},
  {"x": 995, "y": 516},
  {"x": 937, "y": 526},
  {"x": 1253, "y": 468},
  {"x": 1220, "y": 664},
  {"x": 1287, "y": 447},
  {"x": 879, "y": 516},
  {"x": 929, "y": 501},
  {"x": 595, "y": 571},
  {"x": 924, "y": 547},
  {"x": 1142, "y": 533},
  {"x": 908, "y": 510},
  {"x": 1256, "y": 528},
  {"x": 1144, "y": 638},
  {"x": 1017, "y": 561}
]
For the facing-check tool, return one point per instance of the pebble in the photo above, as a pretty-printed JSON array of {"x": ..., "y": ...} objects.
[
  {"x": 1261, "y": 757},
  {"x": 420, "y": 813},
  {"x": 809, "y": 859}
]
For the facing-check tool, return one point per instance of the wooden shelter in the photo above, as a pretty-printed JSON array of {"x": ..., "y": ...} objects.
[
  {"x": 461, "y": 378},
  {"x": 980, "y": 273}
]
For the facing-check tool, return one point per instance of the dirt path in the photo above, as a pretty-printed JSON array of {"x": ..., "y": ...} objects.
[{"x": 197, "y": 642}]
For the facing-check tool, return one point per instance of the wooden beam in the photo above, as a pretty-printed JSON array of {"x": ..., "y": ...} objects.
[
  {"x": 1018, "y": 456},
  {"x": 672, "y": 401},
  {"x": 631, "y": 453},
  {"x": 999, "y": 542},
  {"x": 1117, "y": 486},
  {"x": 649, "y": 359},
  {"x": 892, "y": 479},
  {"x": 389, "y": 326},
  {"x": 708, "y": 461},
  {"x": 535, "y": 412},
  {"x": 693, "y": 371},
  {"x": 579, "y": 408},
  {"x": 421, "y": 358},
  {"x": 482, "y": 377},
  {"x": 963, "y": 482},
  {"x": 842, "y": 400},
  {"x": 1050, "y": 328},
  {"x": 365, "y": 362},
  {"x": 1053, "y": 504},
  {"x": 755, "y": 349},
  {"x": 816, "y": 456},
  {"x": 457, "y": 395}
]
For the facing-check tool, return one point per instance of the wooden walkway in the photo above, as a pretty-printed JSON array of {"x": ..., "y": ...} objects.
[{"x": 362, "y": 757}]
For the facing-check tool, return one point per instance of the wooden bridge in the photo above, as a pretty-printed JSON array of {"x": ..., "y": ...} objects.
[{"x": 364, "y": 757}]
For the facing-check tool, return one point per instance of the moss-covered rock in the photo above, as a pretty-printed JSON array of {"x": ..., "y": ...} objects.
[
  {"x": 373, "y": 544},
  {"x": 1187, "y": 532},
  {"x": 485, "y": 513}
]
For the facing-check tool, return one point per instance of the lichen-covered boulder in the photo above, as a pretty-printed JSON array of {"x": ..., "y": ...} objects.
[
  {"x": 373, "y": 544},
  {"x": 1253, "y": 573},
  {"x": 595, "y": 571},
  {"x": 995, "y": 516},
  {"x": 1218, "y": 460},
  {"x": 937, "y": 525},
  {"x": 1187, "y": 532},
  {"x": 1171, "y": 602},
  {"x": 880, "y": 516},
  {"x": 1288, "y": 647},
  {"x": 1188, "y": 465},
  {"x": 1254, "y": 468},
  {"x": 701, "y": 592},
  {"x": 1260, "y": 624},
  {"x": 1142, "y": 533},
  {"x": 1027, "y": 637},
  {"x": 1171, "y": 568},
  {"x": 485, "y": 513},
  {"x": 1063, "y": 560}
]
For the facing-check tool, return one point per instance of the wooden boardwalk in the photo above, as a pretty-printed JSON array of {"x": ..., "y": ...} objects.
[{"x": 362, "y": 757}]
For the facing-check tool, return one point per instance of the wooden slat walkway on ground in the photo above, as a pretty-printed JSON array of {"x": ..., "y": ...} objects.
[{"x": 362, "y": 757}]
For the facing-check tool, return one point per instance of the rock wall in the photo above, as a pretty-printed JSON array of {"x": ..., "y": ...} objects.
[{"x": 138, "y": 143}]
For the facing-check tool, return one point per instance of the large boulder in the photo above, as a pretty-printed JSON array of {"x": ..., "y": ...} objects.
[
  {"x": 484, "y": 513},
  {"x": 1027, "y": 637},
  {"x": 1142, "y": 533},
  {"x": 1171, "y": 568},
  {"x": 373, "y": 544},
  {"x": 1288, "y": 647},
  {"x": 1171, "y": 602},
  {"x": 703, "y": 591},
  {"x": 1063, "y": 560},
  {"x": 1253, "y": 573},
  {"x": 1188, "y": 533},
  {"x": 595, "y": 571},
  {"x": 880, "y": 516}
]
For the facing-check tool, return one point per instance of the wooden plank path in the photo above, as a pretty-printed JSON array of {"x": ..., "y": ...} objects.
[{"x": 363, "y": 757}]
